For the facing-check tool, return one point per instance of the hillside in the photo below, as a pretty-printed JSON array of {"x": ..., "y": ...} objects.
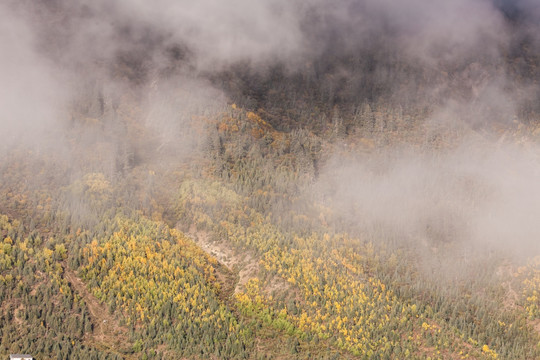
[{"x": 324, "y": 191}]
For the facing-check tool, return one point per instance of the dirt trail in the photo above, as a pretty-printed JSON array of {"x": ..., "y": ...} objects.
[{"x": 107, "y": 334}]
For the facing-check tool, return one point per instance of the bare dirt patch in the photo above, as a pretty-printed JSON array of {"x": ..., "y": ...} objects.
[
  {"x": 218, "y": 249},
  {"x": 244, "y": 265}
]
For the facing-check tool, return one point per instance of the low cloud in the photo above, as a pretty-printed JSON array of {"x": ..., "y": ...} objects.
[{"x": 482, "y": 193}]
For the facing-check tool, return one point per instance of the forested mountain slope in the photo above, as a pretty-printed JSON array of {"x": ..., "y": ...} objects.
[
  {"x": 350, "y": 183},
  {"x": 99, "y": 266}
]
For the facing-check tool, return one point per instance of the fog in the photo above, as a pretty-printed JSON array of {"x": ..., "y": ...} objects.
[
  {"x": 480, "y": 193},
  {"x": 32, "y": 96},
  {"x": 137, "y": 66}
]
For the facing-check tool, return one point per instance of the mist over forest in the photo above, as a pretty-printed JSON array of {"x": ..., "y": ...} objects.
[{"x": 270, "y": 180}]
